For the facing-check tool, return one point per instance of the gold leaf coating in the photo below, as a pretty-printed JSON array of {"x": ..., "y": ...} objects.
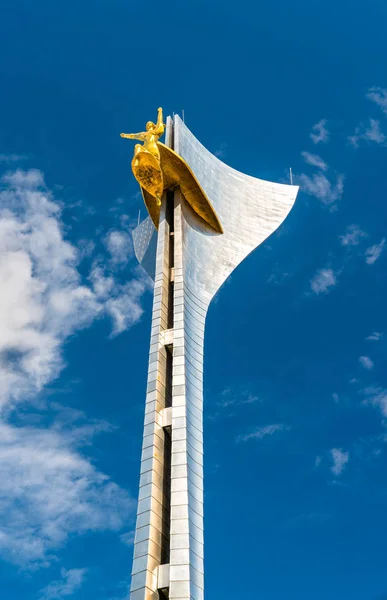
[{"x": 157, "y": 168}]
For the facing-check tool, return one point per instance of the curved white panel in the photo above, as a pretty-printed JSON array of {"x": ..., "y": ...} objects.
[{"x": 249, "y": 210}]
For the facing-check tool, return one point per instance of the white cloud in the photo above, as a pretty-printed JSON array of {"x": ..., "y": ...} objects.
[
  {"x": 340, "y": 459},
  {"x": 375, "y": 336},
  {"x": 319, "y": 186},
  {"x": 366, "y": 362},
  {"x": 128, "y": 538},
  {"x": 372, "y": 133},
  {"x": 320, "y": 132},
  {"x": 70, "y": 582},
  {"x": 377, "y": 396},
  {"x": 314, "y": 160},
  {"x": 373, "y": 252},
  {"x": 262, "y": 432},
  {"x": 27, "y": 180},
  {"x": 229, "y": 401},
  {"x": 323, "y": 280},
  {"x": 354, "y": 139},
  {"x": 85, "y": 248},
  {"x": 119, "y": 245},
  {"x": 221, "y": 151},
  {"x": 117, "y": 206},
  {"x": 49, "y": 492},
  {"x": 379, "y": 96},
  {"x": 228, "y": 398},
  {"x": 12, "y": 158},
  {"x": 43, "y": 299},
  {"x": 121, "y": 301},
  {"x": 352, "y": 236},
  {"x": 278, "y": 277}
]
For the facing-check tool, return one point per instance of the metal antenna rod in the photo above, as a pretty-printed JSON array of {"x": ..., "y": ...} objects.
[
  {"x": 291, "y": 175},
  {"x": 183, "y": 115}
]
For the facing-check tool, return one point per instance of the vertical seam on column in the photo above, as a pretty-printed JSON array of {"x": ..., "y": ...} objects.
[{"x": 152, "y": 539}]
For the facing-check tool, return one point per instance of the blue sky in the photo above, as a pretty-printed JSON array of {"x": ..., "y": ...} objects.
[{"x": 295, "y": 371}]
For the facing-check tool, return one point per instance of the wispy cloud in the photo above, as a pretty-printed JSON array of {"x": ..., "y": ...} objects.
[
  {"x": 355, "y": 137},
  {"x": 70, "y": 583},
  {"x": 50, "y": 492},
  {"x": 261, "y": 432},
  {"x": 320, "y": 187},
  {"x": 85, "y": 248},
  {"x": 320, "y": 132},
  {"x": 221, "y": 151},
  {"x": 12, "y": 158},
  {"x": 366, "y": 362},
  {"x": 118, "y": 206},
  {"x": 373, "y": 132},
  {"x": 230, "y": 400},
  {"x": 314, "y": 160},
  {"x": 278, "y": 277},
  {"x": 120, "y": 247},
  {"x": 376, "y": 396},
  {"x": 229, "y": 397},
  {"x": 375, "y": 336},
  {"x": 373, "y": 252},
  {"x": 352, "y": 236},
  {"x": 122, "y": 302},
  {"x": 43, "y": 299},
  {"x": 323, "y": 280},
  {"x": 128, "y": 538},
  {"x": 370, "y": 133},
  {"x": 340, "y": 460},
  {"x": 379, "y": 96}
]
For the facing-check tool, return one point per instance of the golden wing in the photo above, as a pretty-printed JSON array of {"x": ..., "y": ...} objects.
[
  {"x": 146, "y": 169},
  {"x": 176, "y": 172}
]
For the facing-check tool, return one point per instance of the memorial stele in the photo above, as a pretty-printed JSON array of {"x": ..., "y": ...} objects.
[{"x": 204, "y": 219}]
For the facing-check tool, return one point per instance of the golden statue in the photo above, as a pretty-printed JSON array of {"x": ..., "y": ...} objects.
[
  {"x": 157, "y": 168},
  {"x": 146, "y": 161}
]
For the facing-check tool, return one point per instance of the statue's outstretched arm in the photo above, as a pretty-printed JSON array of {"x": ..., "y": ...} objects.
[
  {"x": 134, "y": 136},
  {"x": 159, "y": 124}
]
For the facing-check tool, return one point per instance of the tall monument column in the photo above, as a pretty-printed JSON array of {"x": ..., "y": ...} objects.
[{"x": 205, "y": 218}]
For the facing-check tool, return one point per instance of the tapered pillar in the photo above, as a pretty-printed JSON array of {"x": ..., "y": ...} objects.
[
  {"x": 186, "y": 559},
  {"x": 191, "y": 263},
  {"x": 151, "y": 542}
]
